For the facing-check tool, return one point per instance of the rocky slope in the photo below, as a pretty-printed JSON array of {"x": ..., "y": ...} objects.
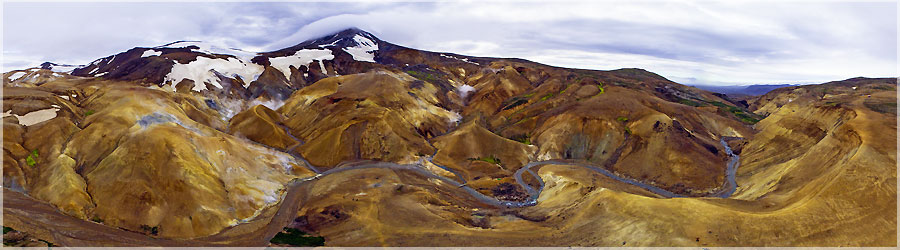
[
  {"x": 814, "y": 174},
  {"x": 195, "y": 144}
]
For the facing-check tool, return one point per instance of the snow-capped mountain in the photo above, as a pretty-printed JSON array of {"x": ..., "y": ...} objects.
[
  {"x": 63, "y": 68},
  {"x": 205, "y": 66},
  {"x": 37, "y": 75},
  {"x": 197, "y": 144}
]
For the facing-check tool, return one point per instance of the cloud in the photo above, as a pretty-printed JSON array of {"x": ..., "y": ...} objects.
[{"x": 690, "y": 42}]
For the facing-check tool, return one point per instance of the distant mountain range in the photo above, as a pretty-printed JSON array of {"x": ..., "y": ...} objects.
[{"x": 756, "y": 89}]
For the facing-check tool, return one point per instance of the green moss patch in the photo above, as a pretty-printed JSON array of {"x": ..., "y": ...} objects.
[
  {"x": 515, "y": 103},
  {"x": 524, "y": 139},
  {"x": 739, "y": 113},
  {"x": 297, "y": 238},
  {"x": 884, "y": 108},
  {"x": 424, "y": 76},
  {"x": 547, "y": 96},
  {"x": 32, "y": 158},
  {"x": 691, "y": 103},
  {"x": 489, "y": 159}
]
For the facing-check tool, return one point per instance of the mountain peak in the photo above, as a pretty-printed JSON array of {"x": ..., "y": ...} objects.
[
  {"x": 56, "y": 67},
  {"x": 346, "y": 33},
  {"x": 347, "y": 38}
]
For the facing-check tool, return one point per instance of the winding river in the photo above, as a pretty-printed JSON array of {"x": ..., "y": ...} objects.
[
  {"x": 67, "y": 230},
  {"x": 726, "y": 190}
]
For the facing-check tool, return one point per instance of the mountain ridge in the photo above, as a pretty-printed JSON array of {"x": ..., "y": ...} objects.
[{"x": 367, "y": 143}]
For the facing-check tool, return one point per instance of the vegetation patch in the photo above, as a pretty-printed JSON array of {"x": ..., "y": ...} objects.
[
  {"x": 89, "y": 112},
  {"x": 547, "y": 96},
  {"x": 151, "y": 230},
  {"x": 600, "y": 87},
  {"x": 564, "y": 90},
  {"x": 32, "y": 158},
  {"x": 515, "y": 103},
  {"x": 719, "y": 104},
  {"x": 884, "y": 107},
  {"x": 523, "y": 120},
  {"x": 7, "y": 230},
  {"x": 622, "y": 119},
  {"x": 489, "y": 159},
  {"x": 524, "y": 138},
  {"x": 424, "y": 76},
  {"x": 691, "y": 103},
  {"x": 737, "y": 112},
  {"x": 297, "y": 238},
  {"x": 749, "y": 120},
  {"x": 883, "y": 87}
]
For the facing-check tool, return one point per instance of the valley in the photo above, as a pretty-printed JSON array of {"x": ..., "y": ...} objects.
[{"x": 367, "y": 143}]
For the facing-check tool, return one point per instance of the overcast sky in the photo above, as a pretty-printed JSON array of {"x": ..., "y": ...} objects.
[{"x": 687, "y": 42}]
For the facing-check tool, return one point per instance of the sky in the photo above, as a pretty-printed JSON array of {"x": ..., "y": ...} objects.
[{"x": 706, "y": 43}]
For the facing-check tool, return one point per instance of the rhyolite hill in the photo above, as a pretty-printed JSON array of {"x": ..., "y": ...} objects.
[{"x": 368, "y": 143}]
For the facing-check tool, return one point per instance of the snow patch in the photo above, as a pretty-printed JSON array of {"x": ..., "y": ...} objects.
[
  {"x": 150, "y": 52},
  {"x": 230, "y": 107},
  {"x": 331, "y": 44},
  {"x": 364, "y": 50},
  {"x": 322, "y": 67},
  {"x": 455, "y": 118},
  {"x": 301, "y": 57},
  {"x": 64, "y": 68},
  {"x": 461, "y": 59},
  {"x": 16, "y": 75},
  {"x": 34, "y": 117},
  {"x": 464, "y": 90},
  {"x": 212, "y": 48},
  {"x": 201, "y": 71},
  {"x": 101, "y": 74},
  {"x": 271, "y": 104}
]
